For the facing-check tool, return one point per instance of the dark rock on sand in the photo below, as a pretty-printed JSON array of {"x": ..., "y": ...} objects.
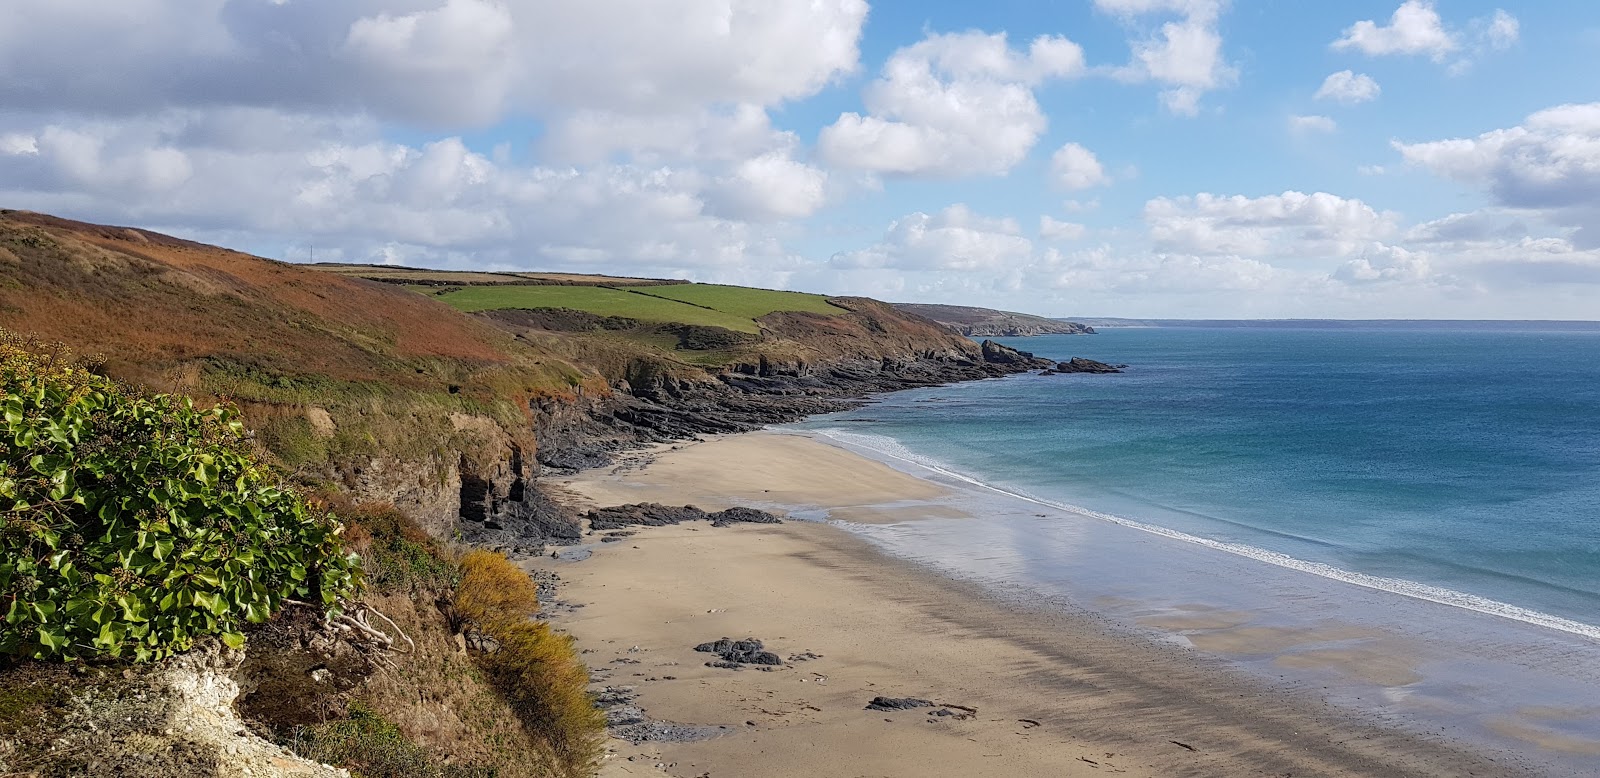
[
  {"x": 898, "y": 703},
  {"x": 742, "y": 516},
  {"x": 749, "y": 651},
  {"x": 651, "y": 514}
]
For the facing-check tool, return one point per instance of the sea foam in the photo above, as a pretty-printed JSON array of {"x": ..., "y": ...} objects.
[{"x": 889, "y": 448}]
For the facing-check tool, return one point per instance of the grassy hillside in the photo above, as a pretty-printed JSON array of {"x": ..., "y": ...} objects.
[
  {"x": 600, "y": 301},
  {"x": 412, "y": 275},
  {"x": 334, "y": 369},
  {"x": 745, "y": 301},
  {"x": 704, "y": 305},
  {"x": 328, "y": 368}
]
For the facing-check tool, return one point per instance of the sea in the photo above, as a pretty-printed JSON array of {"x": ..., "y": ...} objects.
[{"x": 1402, "y": 517}]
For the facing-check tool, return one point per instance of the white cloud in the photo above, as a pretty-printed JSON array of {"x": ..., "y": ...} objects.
[
  {"x": 1503, "y": 30},
  {"x": 1303, "y": 124},
  {"x": 1186, "y": 55},
  {"x": 951, "y": 105},
  {"x": 1550, "y": 164},
  {"x": 1371, "y": 170},
  {"x": 18, "y": 144},
  {"x": 362, "y": 198},
  {"x": 1348, "y": 87},
  {"x": 1492, "y": 226},
  {"x": 1414, "y": 28},
  {"x": 955, "y": 239},
  {"x": 1290, "y": 224},
  {"x": 1379, "y": 263},
  {"x": 448, "y": 63},
  {"x": 1055, "y": 230},
  {"x": 774, "y": 186},
  {"x": 1075, "y": 167}
]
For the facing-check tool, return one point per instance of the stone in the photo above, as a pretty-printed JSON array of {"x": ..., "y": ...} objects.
[{"x": 898, "y": 703}]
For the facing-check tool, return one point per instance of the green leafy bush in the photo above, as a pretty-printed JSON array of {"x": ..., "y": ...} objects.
[{"x": 131, "y": 524}]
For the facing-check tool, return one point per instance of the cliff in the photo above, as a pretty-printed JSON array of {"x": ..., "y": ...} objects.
[
  {"x": 390, "y": 394},
  {"x": 989, "y": 323}
]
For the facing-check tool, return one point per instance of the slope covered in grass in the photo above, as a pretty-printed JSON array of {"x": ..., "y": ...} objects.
[
  {"x": 745, "y": 301},
  {"x": 599, "y": 301}
]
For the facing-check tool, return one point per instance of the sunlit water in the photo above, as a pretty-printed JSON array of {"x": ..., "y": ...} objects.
[{"x": 1442, "y": 485}]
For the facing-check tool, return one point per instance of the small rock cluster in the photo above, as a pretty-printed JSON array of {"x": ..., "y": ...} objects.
[
  {"x": 737, "y": 653},
  {"x": 1081, "y": 365},
  {"x": 656, "y": 515}
]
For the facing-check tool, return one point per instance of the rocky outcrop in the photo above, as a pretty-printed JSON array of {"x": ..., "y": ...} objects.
[
  {"x": 1081, "y": 365},
  {"x": 171, "y": 718},
  {"x": 990, "y": 323},
  {"x": 656, "y": 515},
  {"x": 749, "y": 651}
]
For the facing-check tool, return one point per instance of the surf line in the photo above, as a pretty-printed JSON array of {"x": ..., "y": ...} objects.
[{"x": 892, "y": 449}]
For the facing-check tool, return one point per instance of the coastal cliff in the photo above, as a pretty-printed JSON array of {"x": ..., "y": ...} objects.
[
  {"x": 452, "y": 416},
  {"x": 989, "y": 323}
]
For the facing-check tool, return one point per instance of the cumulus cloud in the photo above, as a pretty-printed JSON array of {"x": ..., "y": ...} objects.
[
  {"x": 1306, "y": 124},
  {"x": 1380, "y": 263},
  {"x": 1185, "y": 55},
  {"x": 1414, "y": 28},
  {"x": 1075, "y": 167},
  {"x": 1475, "y": 227},
  {"x": 441, "y": 62},
  {"x": 1549, "y": 164},
  {"x": 1292, "y": 223},
  {"x": 657, "y": 147},
  {"x": 1056, "y": 230},
  {"x": 955, "y": 239},
  {"x": 1348, "y": 87},
  {"x": 365, "y": 198},
  {"x": 1502, "y": 31},
  {"x": 950, "y": 105}
]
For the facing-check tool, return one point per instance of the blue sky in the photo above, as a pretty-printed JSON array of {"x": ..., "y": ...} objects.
[{"x": 1184, "y": 158}]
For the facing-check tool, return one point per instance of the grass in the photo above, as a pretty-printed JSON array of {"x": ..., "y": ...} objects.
[
  {"x": 730, "y": 307},
  {"x": 373, "y": 747},
  {"x": 744, "y": 301},
  {"x": 596, "y": 300},
  {"x": 536, "y": 669}
]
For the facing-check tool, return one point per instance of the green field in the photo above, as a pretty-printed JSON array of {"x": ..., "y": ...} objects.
[
  {"x": 729, "y": 307},
  {"x": 596, "y": 300},
  {"x": 744, "y": 301}
]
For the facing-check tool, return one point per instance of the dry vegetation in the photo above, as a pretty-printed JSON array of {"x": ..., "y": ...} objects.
[
  {"x": 520, "y": 710},
  {"x": 388, "y": 366}
]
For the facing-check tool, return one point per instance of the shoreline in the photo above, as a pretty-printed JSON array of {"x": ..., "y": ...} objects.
[{"x": 1058, "y": 691}]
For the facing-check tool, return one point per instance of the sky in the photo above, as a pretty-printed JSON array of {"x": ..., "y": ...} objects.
[{"x": 1140, "y": 158}]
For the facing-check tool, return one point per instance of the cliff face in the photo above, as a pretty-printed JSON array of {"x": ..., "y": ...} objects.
[
  {"x": 392, "y": 396},
  {"x": 989, "y": 323}
]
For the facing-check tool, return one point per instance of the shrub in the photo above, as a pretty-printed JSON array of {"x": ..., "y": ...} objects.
[
  {"x": 130, "y": 524},
  {"x": 494, "y": 592},
  {"x": 536, "y": 669},
  {"x": 373, "y": 747},
  {"x": 396, "y": 554}
]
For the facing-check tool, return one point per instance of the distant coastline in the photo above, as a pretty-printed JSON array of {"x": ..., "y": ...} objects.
[{"x": 1528, "y": 325}]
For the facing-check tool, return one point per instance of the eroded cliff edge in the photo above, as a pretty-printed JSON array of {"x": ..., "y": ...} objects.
[{"x": 453, "y": 417}]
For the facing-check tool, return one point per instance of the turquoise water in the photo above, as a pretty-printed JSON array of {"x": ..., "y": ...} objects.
[{"x": 1466, "y": 460}]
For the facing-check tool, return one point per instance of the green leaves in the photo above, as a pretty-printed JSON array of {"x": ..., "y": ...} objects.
[{"x": 131, "y": 524}]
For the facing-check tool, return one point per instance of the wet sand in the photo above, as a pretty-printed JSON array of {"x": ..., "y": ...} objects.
[{"x": 1057, "y": 693}]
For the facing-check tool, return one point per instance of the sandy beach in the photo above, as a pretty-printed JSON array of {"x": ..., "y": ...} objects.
[{"x": 1030, "y": 692}]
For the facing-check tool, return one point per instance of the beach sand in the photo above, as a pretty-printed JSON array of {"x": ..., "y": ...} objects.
[{"x": 1055, "y": 693}]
